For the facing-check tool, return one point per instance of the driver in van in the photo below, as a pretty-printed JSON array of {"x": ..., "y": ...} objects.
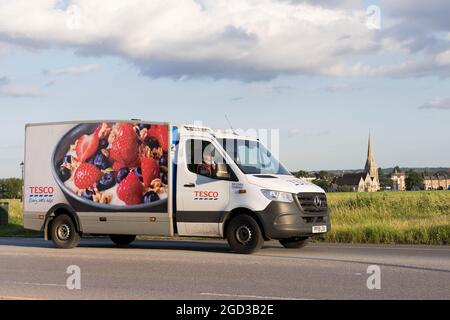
[{"x": 207, "y": 167}]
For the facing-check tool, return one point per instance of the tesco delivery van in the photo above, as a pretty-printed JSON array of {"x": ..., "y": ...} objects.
[{"x": 128, "y": 178}]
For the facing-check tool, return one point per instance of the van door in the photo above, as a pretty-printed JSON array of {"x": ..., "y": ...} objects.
[{"x": 203, "y": 187}]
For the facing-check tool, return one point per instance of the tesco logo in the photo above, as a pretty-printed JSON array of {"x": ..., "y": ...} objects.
[
  {"x": 206, "y": 194},
  {"x": 42, "y": 190}
]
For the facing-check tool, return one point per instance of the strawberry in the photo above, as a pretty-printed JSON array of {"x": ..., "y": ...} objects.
[
  {"x": 135, "y": 163},
  {"x": 150, "y": 170},
  {"x": 159, "y": 132},
  {"x": 125, "y": 147},
  {"x": 114, "y": 155},
  {"x": 102, "y": 130},
  {"x": 130, "y": 190},
  {"x": 118, "y": 165},
  {"x": 86, "y": 175},
  {"x": 86, "y": 147}
]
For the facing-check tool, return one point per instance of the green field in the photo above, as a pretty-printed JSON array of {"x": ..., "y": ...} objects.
[
  {"x": 386, "y": 217},
  {"x": 420, "y": 217},
  {"x": 15, "y": 226}
]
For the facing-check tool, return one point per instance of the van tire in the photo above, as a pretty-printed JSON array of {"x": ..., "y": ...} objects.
[
  {"x": 244, "y": 234},
  {"x": 122, "y": 240},
  {"x": 64, "y": 233},
  {"x": 294, "y": 243}
]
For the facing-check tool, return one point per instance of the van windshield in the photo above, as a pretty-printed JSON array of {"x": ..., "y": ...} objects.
[{"x": 252, "y": 157}]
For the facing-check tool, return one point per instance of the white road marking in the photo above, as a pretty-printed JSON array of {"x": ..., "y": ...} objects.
[
  {"x": 18, "y": 298},
  {"x": 36, "y": 284},
  {"x": 249, "y": 296}
]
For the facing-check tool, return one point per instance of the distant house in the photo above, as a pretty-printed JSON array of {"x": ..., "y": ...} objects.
[
  {"x": 436, "y": 183},
  {"x": 398, "y": 180},
  {"x": 366, "y": 181}
]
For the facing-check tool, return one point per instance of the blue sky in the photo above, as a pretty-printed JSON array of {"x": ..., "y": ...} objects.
[{"x": 324, "y": 115}]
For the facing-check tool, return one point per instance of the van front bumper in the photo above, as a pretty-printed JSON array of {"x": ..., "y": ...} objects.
[{"x": 287, "y": 220}]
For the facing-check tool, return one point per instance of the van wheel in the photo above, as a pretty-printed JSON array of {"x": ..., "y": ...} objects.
[
  {"x": 294, "y": 243},
  {"x": 122, "y": 240},
  {"x": 63, "y": 232},
  {"x": 244, "y": 235}
]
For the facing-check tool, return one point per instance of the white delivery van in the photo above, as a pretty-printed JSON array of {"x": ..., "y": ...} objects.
[{"x": 128, "y": 178}]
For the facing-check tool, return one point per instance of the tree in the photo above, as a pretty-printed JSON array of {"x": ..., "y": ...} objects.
[
  {"x": 414, "y": 181},
  {"x": 302, "y": 174},
  {"x": 385, "y": 180},
  {"x": 10, "y": 188},
  {"x": 322, "y": 175},
  {"x": 324, "y": 184},
  {"x": 441, "y": 173}
]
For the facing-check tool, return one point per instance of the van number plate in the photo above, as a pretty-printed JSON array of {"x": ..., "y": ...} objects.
[{"x": 319, "y": 229}]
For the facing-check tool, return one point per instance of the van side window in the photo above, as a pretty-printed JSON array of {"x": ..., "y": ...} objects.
[{"x": 203, "y": 159}]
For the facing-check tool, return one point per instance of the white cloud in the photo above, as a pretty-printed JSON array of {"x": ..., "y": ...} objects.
[
  {"x": 72, "y": 70},
  {"x": 437, "y": 103},
  {"x": 443, "y": 58},
  {"x": 18, "y": 91},
  {"x": 241, "y": 39},
  {"x": 270, "y": 88},
  {"x": 335, "y": 87}
]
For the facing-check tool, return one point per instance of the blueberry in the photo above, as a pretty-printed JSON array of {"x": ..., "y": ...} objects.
[
  {"x": 88, "y": 195},
  {"x": 138, "y": 171},
  {"x": 122, "y": 174},
  {"x": 64, "y": 174},
  {"x": 67, "y": 159},
  {"x": 103, "y": 144},
  {"x": 153, "y": 143},
  {"x": 107, "y": 181},
  {"x": 163, "y": 161},
  {"x": 144, "y": 126},
  {"x": 150, "y": 197},
  {"x": 101, "y": 161}
]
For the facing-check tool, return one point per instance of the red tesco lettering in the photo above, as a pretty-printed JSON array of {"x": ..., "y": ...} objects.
[
  {"x": 205, "y": 194},
  {"x": 41, "y": 190}
]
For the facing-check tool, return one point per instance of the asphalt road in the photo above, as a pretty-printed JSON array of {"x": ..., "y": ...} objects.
[{"x": 196, "y": 270}]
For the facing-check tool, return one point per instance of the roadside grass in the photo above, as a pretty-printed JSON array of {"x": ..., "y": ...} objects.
[
  {"x": 15, "y": 221},
  {"x": 421, "y": 217}
]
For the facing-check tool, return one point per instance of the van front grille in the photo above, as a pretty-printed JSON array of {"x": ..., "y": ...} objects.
[{"x": 313, "y": 202}]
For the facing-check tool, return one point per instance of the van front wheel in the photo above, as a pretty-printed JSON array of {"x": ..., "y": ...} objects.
[
  {"x": 64, "y": 233},
  {"x": 294, "y": 243},
  {"x": 244, "y": 235}
]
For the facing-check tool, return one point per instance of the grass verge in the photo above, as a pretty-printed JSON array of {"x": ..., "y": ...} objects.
[
  {"x": 421, "y": 217},
  {"x": 15, "y": 225}
]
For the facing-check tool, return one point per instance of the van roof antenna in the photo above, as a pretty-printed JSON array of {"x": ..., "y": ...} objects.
[{"x": 231, "y": 126}]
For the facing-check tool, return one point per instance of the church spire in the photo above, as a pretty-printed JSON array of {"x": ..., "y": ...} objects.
[
  {"x": 370, "y": 157},
  {"x": 371, "y": 166}
]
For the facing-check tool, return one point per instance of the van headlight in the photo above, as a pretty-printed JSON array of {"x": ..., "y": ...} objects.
[{"x": 278, "y": 196}]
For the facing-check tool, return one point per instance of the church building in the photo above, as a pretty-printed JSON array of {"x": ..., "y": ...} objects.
[{"x": 366, "y": 181}]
